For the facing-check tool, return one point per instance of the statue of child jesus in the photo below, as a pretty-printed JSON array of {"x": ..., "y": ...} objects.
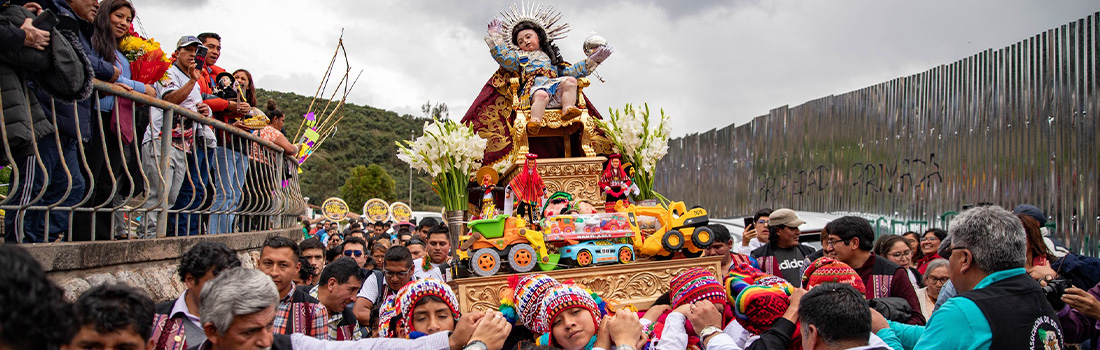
[{"x": 547, "y": 80}]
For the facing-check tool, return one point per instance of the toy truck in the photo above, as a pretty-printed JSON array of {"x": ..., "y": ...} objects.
[
  {"x": 502, "y": 239},
  {"x": 679, "y": 230}
]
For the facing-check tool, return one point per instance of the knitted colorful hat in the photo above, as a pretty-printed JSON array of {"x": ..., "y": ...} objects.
[
  {"x": 411, "y": 294},
  {"x": 521, "y": 299},
  {"x": 696, "y": 284},
  {"x": 757, "y": 307},
  {"x": 561, "y": 298},
  {"x": 826, "y": 270}
]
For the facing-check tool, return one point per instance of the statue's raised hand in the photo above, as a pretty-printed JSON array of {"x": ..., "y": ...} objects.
[
  {"x": 601, "y": 54},
  {"x": 496, "y": 26}
]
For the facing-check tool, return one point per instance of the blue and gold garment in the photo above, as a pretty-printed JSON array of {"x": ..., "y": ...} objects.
[{"x": 537, "y": 71}]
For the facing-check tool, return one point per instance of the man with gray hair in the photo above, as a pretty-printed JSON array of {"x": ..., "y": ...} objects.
[
  {"x": 238, "y": 311},
  {"x": 999, "y": 306}
]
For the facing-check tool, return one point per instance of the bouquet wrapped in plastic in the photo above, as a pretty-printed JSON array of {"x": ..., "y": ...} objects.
[{"x": 148, "y": 63}]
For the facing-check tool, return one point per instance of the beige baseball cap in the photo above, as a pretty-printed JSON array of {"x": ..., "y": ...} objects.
[{"x": 784, "y": 217}]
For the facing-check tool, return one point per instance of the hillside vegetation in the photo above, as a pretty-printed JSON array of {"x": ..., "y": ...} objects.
[{"x": 365, "y": 136}]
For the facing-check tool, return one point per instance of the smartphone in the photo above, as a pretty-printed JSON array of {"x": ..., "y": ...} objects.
[
  {"x": 45, "y": 20},
  {"x": 200, "y": 57},
  {"x": 749, "y": 222}
]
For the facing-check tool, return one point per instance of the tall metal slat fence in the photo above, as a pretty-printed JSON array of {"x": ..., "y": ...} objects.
[{"x": 1008, "y": 126}]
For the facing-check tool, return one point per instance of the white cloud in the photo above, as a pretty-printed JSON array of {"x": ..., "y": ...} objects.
[{"x": 707, "y": 63}]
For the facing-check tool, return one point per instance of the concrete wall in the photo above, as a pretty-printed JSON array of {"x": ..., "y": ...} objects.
[{"x": 147, "y": 264}]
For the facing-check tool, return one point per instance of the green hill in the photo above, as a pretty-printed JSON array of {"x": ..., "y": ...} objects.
[{"x": 365, "y": 136}]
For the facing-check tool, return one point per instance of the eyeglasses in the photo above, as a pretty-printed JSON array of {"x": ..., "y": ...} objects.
[
  {"x": 831, "y": 242},
  {"x": 355, "y": 253},
  {"x": 901, "y": 254},
  {"x": 765, "y": 222},
  {"x": 399, "y": 274},
  {"x": 934, "y": 280},
  {"x": 929, "y": 239}
]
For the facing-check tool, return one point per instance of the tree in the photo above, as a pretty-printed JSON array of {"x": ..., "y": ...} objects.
[
  {"x": 438, "y": 111},
  {"x": 366, "y": 182}
]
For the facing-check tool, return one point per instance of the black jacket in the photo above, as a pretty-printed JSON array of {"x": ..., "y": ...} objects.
[{"x": 62, "y": 71}]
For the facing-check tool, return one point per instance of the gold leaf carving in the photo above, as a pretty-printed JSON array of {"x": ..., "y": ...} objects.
[{"x": 637, "y": 283}]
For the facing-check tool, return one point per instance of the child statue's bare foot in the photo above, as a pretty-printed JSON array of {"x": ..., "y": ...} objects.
[{"x": 570, "y": 112}]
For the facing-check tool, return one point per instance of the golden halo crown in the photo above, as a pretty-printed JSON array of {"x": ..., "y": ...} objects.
[{"x": 542, "y": 16}]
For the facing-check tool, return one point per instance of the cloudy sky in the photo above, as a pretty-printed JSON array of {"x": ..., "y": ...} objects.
[{"x": 707, "y": 63}]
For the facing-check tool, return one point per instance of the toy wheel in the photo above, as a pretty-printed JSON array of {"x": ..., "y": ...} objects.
[
  {"x": 584, "y": 258},
  {"x": 570, "y": 230},
  {"x": 521, "y": 258},
  {"x": 625, "y": 255},
  {"x": 702, "y": 237},
  {"x": 672, "y": 241},
  {"x": 485, "y": 262},
  {"x": 555, "y": 230},
  {"x": 688, "y": 254},
  {"x": 663, "y": 257}
]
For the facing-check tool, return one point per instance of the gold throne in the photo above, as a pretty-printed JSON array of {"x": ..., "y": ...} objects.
[{"x": 552, "y": 124}]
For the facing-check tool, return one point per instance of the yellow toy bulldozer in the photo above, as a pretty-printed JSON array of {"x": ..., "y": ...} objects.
[{"x": 679, "y": 230}]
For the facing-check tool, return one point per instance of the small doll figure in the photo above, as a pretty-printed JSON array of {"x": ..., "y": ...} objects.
[
  {"x": 528, "y": 190},
  {"x": 557, "y": 204},
  {"x": 614, "y": 183},
  {"x": 524, "y": 42},
  {"x": 487, "y": 192},
  {"x": 226, "y": 86},
  {"x": 582, "y": 206}
]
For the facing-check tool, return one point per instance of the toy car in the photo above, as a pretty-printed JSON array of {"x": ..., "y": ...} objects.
[
  {"x": 574, "y": 228},
  {"x": 502, "y": 239},
  {"x": 596, "y": 252}
]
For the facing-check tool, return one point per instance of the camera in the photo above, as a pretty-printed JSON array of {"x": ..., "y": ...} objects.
[{"x": 1054, "y": 290}]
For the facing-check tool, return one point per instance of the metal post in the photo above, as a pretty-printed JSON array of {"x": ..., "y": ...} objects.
[{"x": 168, "y": 119}]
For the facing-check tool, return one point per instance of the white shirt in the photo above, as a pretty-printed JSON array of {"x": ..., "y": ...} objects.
[
  {"x": 176, "y": 79},
  {"x": 733, "y": 337},
  {"x": 181, "y": 306},
  {"x": 298, "y": 341},
  {"x": 433, "y": 272},
  {"x": 369, "y": 290},
  {"x": 753, "y": 244}
]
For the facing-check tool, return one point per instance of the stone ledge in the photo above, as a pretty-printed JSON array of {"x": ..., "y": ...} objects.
[
  {"x": 59, "y": 257},
  {"x": 146, "y": 264}
]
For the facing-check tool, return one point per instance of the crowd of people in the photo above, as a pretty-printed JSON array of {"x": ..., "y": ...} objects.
[
  {"x": 97, "y": 151},
  {"x": 992, "y": 282}
]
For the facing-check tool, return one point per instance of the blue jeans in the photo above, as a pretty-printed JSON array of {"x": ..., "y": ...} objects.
[
  {"x": 31, "y": 178},
  {"x": 231, "y": 168},
  {"x": 192, "y": 193}
]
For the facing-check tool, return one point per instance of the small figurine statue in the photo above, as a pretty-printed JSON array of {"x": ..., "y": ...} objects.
[
  {"x": 523, "y": 42},
  {"x": 528, "y": 190},
  {"x": 615, "y": 183},
  {"x": 487, "y": 192}
]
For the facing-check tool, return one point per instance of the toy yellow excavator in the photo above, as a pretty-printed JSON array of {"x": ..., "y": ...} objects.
[{"x": 679, "y": 230}]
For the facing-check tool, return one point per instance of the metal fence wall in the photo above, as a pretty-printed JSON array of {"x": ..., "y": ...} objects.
[{"x": 1009, "y": 126}]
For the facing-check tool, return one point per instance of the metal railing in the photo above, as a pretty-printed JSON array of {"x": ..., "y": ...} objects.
[
  {"x": 113, "y": 181},
  {"x": 1016, "y": 125}
]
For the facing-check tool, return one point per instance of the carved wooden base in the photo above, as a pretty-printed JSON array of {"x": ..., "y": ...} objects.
[
  {"x": 638, "y": 283},
  {"x": 578, "y": 176}
]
